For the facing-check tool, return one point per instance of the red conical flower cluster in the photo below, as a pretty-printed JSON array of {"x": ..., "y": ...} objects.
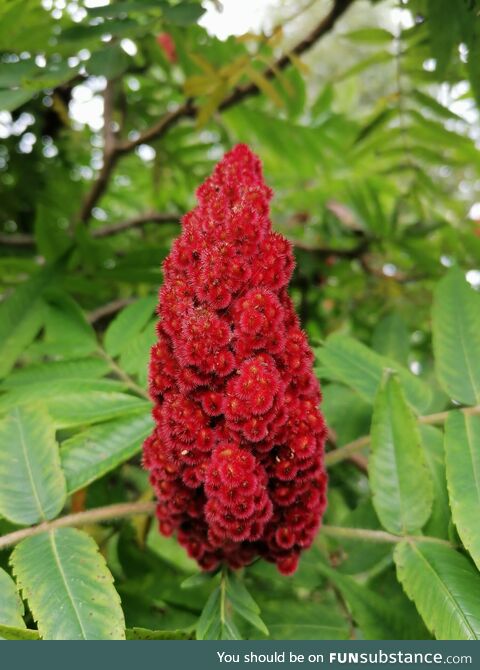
[{"x": 236, "y": 457}]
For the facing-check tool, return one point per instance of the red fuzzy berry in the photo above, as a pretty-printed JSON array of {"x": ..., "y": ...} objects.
[{"x": 236, "y": 458}]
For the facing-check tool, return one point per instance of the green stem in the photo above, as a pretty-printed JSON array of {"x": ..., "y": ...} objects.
[{"x": 379, "y": 536}]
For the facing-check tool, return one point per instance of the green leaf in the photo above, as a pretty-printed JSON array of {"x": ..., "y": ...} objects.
[
  {"x": 290, "y": 619},
  {"x": 377, "y": 619},
  {"x": 48, "y": 390},
  {"x": 67, "y": 331},
  {"x": 72, "y": 370},
  {"x": 401, "y": 484},
  {"x": 390, "y": 338},
  {"x": 462, "y": 457},
  {"x": 456, "y": 337},
  {"x": 32, "y": 485},
  {"x": 183, "y": 14},
  {"x": 11, "y": 100},
  {"x": 199, "y": 579},
  {"x": 473, "y": 63},
  {"x": 170, "y": 551},
  {"x": 128, "y": 324},
  {"x": 68, "y": 587},
  {"x": 354, "y": 364},
  {"x": 77, "y": 409},
  {"x": 146, "y": 634},
  {"x": 21, "y": 317},
  {"x": 209, "y": 624},
  {"x": 243, "y": 603},
  {"x": 11, "y": 606},
  {"x": 444, "y": 587},
  {"x": 109, "y": 62},
  {"x": 439, "y": 522},
  {"x": 51, "y": 238},
  {"x": 443, "y": 32},
  {"x": 134, "y": 357},
  {"x": 94, "y": 452},
  {"x": 14, "y": 633},
  {"x": 216, "y": 621}
]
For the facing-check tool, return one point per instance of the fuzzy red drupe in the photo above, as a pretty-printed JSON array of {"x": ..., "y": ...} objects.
[{"x": 236, "y": 457}]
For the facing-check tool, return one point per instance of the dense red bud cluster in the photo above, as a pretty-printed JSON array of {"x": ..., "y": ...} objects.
[{"x": 236, "y": 456}]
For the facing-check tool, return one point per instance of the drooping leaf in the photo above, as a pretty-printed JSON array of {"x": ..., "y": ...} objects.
[
  {"x": 462, "y": 457},
  {"x": 354, "y": 364},
  {"x": 456, "y": 337},
  {"x": 68, "y": 587},
  {"x": 444, "y": 587},
  {"x": 32, "y": 485},
  {"x": 92, "y": 453},
  {"x": 401, "y": 484}
]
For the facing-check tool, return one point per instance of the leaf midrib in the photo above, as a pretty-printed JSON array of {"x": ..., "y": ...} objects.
[
  {"x": 64, "y": 578},
  {"x": 27, "y": 463}
]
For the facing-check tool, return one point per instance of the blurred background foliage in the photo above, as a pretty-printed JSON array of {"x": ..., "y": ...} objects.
[{"x": 365, "y": 115}]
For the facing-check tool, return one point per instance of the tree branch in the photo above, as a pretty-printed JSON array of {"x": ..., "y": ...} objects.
[
  {"x": 18, "y": 240},
  {"x": 80, "y": 519},
  {"x": 134, "y": 222},
  {"x": 24, "y": 240},
  {"x": 121, "y": 510},
  {"x": 110, "y": 155},
  {"x": 189, "y": 110}
]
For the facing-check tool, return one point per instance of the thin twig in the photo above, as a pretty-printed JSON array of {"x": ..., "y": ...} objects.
[
  {"x": 80, "y": 519},
  {"x": 342, "y": 453},
  {"x": 134, "y": 222},
  {"x": 380, "y": 536}
]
